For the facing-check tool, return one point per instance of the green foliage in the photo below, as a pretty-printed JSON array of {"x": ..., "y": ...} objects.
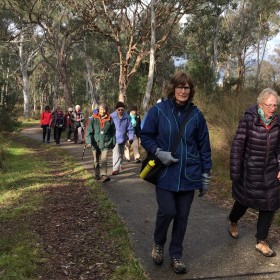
[
  {"x": 202, "y": 75},
  {"x": 8, "y": 110}
]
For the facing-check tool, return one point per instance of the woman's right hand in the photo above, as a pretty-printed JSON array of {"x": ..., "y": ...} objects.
[{"x": 165, "y": 157}]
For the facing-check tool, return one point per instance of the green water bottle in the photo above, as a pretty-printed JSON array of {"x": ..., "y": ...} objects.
[{"x": 147, "y": 169}]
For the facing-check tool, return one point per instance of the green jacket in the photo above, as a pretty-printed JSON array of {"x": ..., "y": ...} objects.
[{"x": 101, "y": 132}]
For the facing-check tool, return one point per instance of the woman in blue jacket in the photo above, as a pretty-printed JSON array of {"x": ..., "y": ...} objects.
[{"x": 186, "y": 171}]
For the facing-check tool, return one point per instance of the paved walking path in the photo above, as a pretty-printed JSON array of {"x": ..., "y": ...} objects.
[{"x": 209, "y": 251}]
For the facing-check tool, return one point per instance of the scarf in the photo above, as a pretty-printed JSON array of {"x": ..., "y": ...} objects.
[
  {"x": 132, "y": 120},
  {"x": 267, "y": 122}
]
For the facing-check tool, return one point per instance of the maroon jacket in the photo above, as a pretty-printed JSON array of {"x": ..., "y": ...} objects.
[
  {"x": 255, "y": 162},
  {"x": 67, "y": 117}
]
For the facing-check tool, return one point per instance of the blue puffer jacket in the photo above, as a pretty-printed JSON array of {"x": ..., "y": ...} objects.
[
  {"x": 194, "y": 152},
  {"x": 124, "y": 129}
]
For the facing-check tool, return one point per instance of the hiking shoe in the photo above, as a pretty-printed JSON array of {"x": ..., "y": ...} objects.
[
  {"x": 115, "y": 172},
  {"x": 137, "y": 160},
  {"x": 158, "y": 254},
  {"x": 97, "y": 177},
  {"x": 68, "y": 140},
  {"x": 178, "y": 266},
  {"x": 264, "y": 248},
  {"x": 105, "y": 179},
  {"x": 232, "y": 229}
]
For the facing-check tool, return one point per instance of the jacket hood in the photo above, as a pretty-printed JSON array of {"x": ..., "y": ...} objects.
[{"x": 252, "y": 110}]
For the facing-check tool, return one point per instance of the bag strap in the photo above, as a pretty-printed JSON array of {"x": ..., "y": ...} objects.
[{"x": 182, "y": 127}]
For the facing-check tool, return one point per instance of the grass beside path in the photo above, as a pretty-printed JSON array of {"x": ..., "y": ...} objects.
[{"x": 55, "y": 221}]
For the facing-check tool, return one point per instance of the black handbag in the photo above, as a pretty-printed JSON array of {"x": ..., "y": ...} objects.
[{"x": 155, "y": 173}]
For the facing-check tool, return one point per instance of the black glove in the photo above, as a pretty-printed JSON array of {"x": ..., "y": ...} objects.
[{"x": 130, "y": 142}]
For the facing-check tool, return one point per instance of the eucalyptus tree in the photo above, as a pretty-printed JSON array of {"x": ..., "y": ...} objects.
[
  {"x": 100, "y": 57},
  {"x": 9, "y": 85},
  {"x": 205, "y": 43},
  {"x": 23, "y": 44},
  {"x": 61, "y": 29},
  {"x": 151, "y": 73},
  {"x": 127, "y": 24},
  {"x": 250, "y": 27}
]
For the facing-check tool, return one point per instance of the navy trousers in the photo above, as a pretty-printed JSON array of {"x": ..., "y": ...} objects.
[{"x": 172, "y": 206}]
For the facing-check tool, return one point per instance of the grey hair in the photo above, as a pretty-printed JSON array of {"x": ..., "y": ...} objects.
[
  {"x": 103, "y": 105},
  {"x": 266, "y": 93}
]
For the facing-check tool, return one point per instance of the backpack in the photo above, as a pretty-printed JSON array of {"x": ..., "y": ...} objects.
[{"x": 59, "y": 120}]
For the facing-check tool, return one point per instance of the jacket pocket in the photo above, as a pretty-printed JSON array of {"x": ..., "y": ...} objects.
[{"x": 193, "y": 167}]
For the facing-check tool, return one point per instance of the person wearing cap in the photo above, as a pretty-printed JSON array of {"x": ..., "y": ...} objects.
[
  {"x": 124, "y": 132},
  {"x": 45, "y": 120},
  {"x": 101, "y": 138},
  {"x": 68, "y": 122},
  {"x": 136, "y": 124}
]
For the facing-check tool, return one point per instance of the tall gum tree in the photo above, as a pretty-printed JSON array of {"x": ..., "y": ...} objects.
[
  {"x": 62, "y": 31},
  {"x": 127, "y": 24}
]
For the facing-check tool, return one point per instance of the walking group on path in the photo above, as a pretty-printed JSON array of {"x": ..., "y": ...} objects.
[{"x": 254, "y": 160}]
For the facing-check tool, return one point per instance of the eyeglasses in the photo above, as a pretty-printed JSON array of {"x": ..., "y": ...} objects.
[
  {"x": 270, "y": 106},
  {"x": 120, "y": 110},
  {"x": 182, "y": 88}
]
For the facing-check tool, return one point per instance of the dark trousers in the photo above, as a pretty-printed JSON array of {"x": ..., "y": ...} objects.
[
  {"x": 46, "y": 131},
  {"x": 265, "y": 219},
  {"x": 69, "y": 131},
  {"x": 172, "y": 206},
  {"x": 57, "y": 133}
]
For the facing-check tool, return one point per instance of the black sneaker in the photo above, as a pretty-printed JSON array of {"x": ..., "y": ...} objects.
[
  {"x": 105, "y": 179},
  {"x": 96, "y": 177},
  {"x": 137, "y": 160},
  {"x": 178, "y": 266},
  {"x": 158, "y": 254}
]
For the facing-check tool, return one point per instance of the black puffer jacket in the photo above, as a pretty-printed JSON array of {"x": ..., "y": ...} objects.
[{"x": 255, "y": 162}]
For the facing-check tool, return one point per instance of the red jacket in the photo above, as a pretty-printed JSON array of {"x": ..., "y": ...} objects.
[{"x": 45, "y": 118}]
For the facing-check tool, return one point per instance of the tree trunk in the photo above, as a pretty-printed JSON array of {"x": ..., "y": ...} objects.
[
  {"x": 25, "y": 81},
  {"x": 65, "y": 79},
  {"x": 25, "y": 85},
  {"x": 123, "y": 81},
  {"x": 92, "y": 91},
  {"x": 149, "y": 87},
  {"x": 240, "y": 70}
]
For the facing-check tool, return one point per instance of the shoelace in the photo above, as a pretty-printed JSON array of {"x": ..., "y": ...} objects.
[
  {"x": 159, "y": 249},
  {"x": 177, "y": 261}
]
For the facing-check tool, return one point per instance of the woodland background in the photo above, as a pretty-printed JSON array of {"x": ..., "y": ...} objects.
[{"x": 67, "y": 52}]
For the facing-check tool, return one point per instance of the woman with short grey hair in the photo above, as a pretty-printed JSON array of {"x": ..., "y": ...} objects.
[{"x": 255, "y": 168}]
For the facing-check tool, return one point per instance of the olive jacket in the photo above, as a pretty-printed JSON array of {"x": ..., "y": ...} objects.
[{"x": 101, "y": 132}]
